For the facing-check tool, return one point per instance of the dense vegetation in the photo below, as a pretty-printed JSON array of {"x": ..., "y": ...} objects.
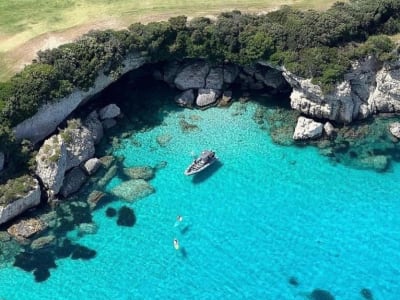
[{"x": 319, "y": 45}]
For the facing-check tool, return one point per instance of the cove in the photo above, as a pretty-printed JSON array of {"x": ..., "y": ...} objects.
[{"x": 267, "y": 222}]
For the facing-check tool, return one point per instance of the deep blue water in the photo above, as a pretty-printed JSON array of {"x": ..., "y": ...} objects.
[{"x": 262, "y": 216}]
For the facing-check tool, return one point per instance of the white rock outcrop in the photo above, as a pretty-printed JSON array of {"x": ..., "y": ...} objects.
[
  {"x": 386, "y": 96},
  {"x": 18, "y": 206},
  {"x": 92, "y": 165},
  {"x": 394, "y": 129},
  {"x": 351, "y": 99},
  {"x": 307, "y": 129},
  {"x": 329, "y": 129},
  {"x": 207, "y": 97},
  {"x": 51, "y": 164},
  {"x": 49, "y": 116}
]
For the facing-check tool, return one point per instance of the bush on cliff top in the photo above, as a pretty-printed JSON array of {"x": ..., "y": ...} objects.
[{"x": 15, "y": 189}]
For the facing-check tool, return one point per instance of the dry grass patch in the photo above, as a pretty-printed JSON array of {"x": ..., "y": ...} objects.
[{"x": 27, "y": 26}]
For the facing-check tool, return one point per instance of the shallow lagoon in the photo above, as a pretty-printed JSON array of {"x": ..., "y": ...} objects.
[{"x": 267, "y": 222}]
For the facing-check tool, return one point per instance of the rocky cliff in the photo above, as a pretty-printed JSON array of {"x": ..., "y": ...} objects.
[
  {"x": 368, "y": 89},
  {"x": 46, "y": 120},
  {"x": 20, "y": 205}
]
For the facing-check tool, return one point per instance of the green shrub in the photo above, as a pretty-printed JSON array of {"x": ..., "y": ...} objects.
[{"x": 15, "y": 189}]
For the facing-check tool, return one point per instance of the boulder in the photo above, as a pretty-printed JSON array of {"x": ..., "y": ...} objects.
[
  {"x": 18, "y": 206},
  {"x": 207, "y": 97},
  {"x": 92, "y": 165},
  {"x": 329, "y": 129},
  {"x": 226, "y": 98},
  {"x": 42, "y": 242},
  {"x": 110, "y": 111},
  {"x": 73, "y": 181},
  {"x": 94, "y": 198},
  {"x": 51, "y": 164},
  {"x": 215, "y": 79},
  {"x": 307, "y": 129},
  {"x": 1, "y": 161},
  {"x": 80, "y": 146},
  {"x": 133, "y": 189},
  {"x": 93, "y": 124},
  {"x": 394, "y": 129},
  {"x": 140, "y": 172},
  {"x": 109, "y": 123},
  {"x": 186, "y": 98},
  {"x": 26, "y": 228},
  {"x": 192, "y": 76}
]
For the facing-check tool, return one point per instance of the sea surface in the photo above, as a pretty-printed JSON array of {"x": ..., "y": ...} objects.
[{"x": 265, "y": 222}]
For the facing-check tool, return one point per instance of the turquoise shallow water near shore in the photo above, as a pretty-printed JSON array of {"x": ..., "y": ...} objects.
[{"x": 267, "y": 222}]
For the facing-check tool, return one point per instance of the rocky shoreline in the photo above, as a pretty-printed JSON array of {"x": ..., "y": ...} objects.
[{"x": 66, "y": 159}]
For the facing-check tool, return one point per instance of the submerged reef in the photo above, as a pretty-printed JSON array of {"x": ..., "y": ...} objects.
[{"x": 319, "y": 294}]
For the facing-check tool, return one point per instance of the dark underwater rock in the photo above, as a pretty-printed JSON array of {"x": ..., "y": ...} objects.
[
  {"x": 65, "y": 249},
  {"x": 126, "y": 217},
  {"x": 41, "y": 274},
  {"x": 29, "y": 261},
  {"x": 319, "y": 294},
  {"x": 82, "y": 252},
  {"x": 111, "y": 212},
  {"x": 367, "y": 294}
]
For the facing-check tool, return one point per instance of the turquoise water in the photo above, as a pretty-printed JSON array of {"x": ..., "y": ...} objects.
[{"x": 263, "y": 215}]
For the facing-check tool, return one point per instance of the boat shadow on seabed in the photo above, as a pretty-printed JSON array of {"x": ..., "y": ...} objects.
[{"x": 205, "y": 174}]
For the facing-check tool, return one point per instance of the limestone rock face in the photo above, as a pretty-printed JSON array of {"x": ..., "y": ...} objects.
[
  {"x": 185, "y": 99},
  {"x": 192, "y": 76},
  {"x": 51, "y": 163},
  {"x": 49, "y": 116},
  {"x": 386, "y": 97},
  {"x": 18, "y": 206},
  {"x": 73, "y": 180},
  {"x": 110, "y": 111},
  {"x": 1, "y": 161},
  {"x": 394, "y": 129},
  {"x": 351, "y": 99},
  {"x": 79, "y": 145},
  {"x": 307, "y": 129},
  {"x": 93, "y": 124},
  {"x": 207, "y": 97},
  {"x": 309, "y": 99}
]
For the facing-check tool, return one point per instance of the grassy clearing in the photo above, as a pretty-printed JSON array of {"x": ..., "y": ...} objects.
[{"x": 29, "y": 25}]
